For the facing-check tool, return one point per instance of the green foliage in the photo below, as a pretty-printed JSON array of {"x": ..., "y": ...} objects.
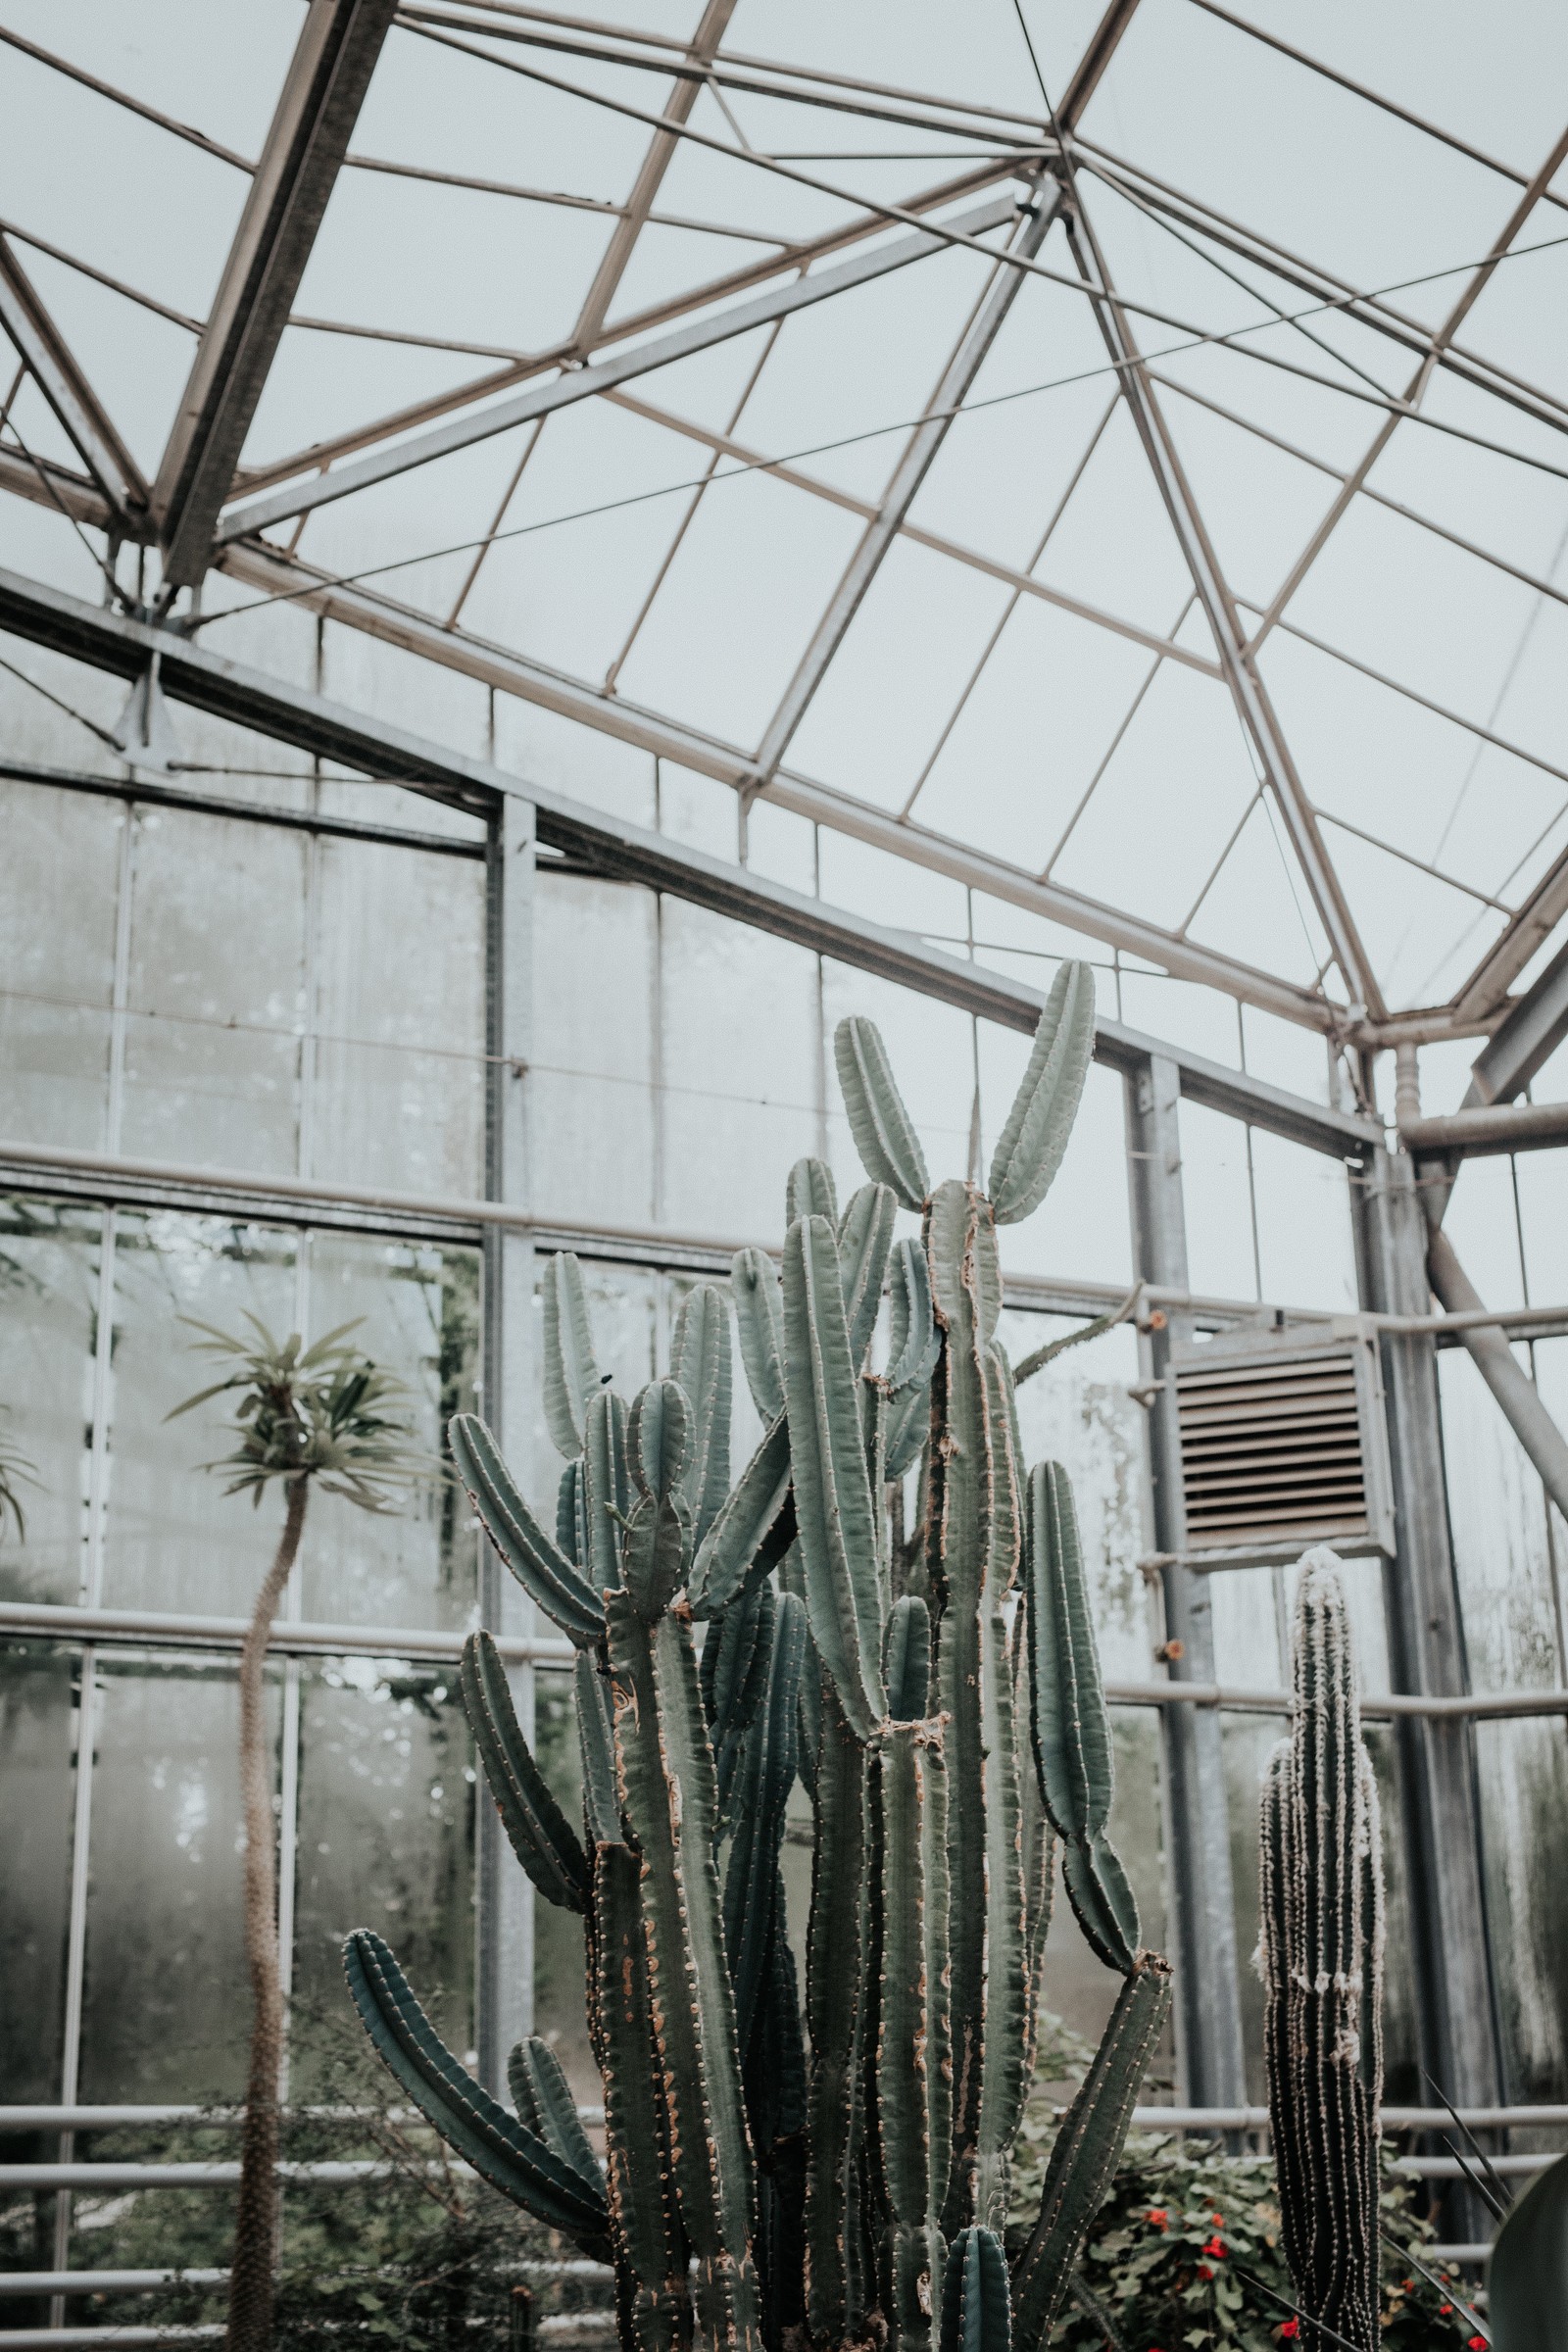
[
  {"x": 1186, "y": 2251},
  {"x": 327, "y": 1413},
  {"x": 760, "y": 2182},
  {"x": 16, "y": 1470}
]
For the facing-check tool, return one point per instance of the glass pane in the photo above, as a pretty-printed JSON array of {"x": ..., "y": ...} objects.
[
  {"x": 173, "y": 1539},
  {"x": 385, "y": 1839},
  {"x": 216, "y": 993},
  {"x": 1523, "y": 1773},
  {"x": 591, "y": 1098},
  {"x": 59, "y": 881},
  {"x": 417, "y": 1313},
  {"x": 167, "y": 2003},
  {"x": 49, "y": 1259},
  {"x": 37, "y": 1745},
  {"x": 400, "y": 980}
]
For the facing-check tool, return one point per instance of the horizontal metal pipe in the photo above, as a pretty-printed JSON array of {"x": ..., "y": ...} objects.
[
  {"x": 1394, "y": 2119},
  {"x": 1487, "y": 1128},
  {"x": 152, "y": 1629},
  {"x": 31, "y": 2283},
  {"x": 51, "y": 2339},
  {"x": 214, "y": 2118},
  {"x": 222, "y": 2175}
]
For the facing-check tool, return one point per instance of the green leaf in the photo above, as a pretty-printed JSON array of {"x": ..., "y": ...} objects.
[
  {"x": 883, "y": 1131},
  {"x": 570, "y": 1374},
  {"x": 540, "y": 1834},
  {"x": 810, "y": 1192},
  {"x": 833, "y": 1505},
  {"x": 1030, "y": 1148},
  {"x": 539, "y": 1565},
  {"x": 503, "y": 2150},
  {"x": 759, "y": 1321}
]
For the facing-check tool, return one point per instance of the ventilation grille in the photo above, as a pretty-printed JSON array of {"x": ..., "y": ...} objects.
[{"x": 1272, "y": 1452}]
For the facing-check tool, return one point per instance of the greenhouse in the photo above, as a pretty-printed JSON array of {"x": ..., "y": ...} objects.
[{"x": 783, "y": 1303}]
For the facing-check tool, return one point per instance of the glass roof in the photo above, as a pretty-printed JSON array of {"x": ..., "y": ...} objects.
[{"x": 1117, "y": 461}]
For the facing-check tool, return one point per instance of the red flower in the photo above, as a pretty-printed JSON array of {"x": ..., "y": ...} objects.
[
  {"x": 1216, "y": 2247},
  {"x": 1291, "y": 2328},
  {"x": 1219, "y": 2220},
  {"x": 1477, "y": 2344},
  {"x": 1158, "y": 2219},
  {"x": 1205, "y": 2271},
  {"x": 1444, "y": 2309}
]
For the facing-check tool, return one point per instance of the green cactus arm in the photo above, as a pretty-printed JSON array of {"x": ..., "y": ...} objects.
[
  {"x": 507, "y": 2155},
  {"x": 570, "y": 1374},
  {"x": 976, "y": 2306},
  {"x": 596, "y": 1743},
  {"x": 540, "y": 1834},
  {"x": 539, "y": 1565},
  {"x": 669, "y": 1796},
  {"x": 650, "y": 2246},
  {"x": 728, "y": 1668},
  {"x": 1525, "y": 2301},
  {"x": 1031, "y": 1145},
  {"x": 1088, "y": 2149},
  {"x": 1071, "y": 1728},
  {"x": 752, "y": 1895},
  {"x": 729, "y": 1550},
  {"x": 835, "y": 1993},
  {"x": 543, "y": 2098},
  {"x": 907, "y": 1660},
  {"x": 1004, "y": 2075},
  {"x": 833, "y": 1505},
  {"x": 908, "y": 1425},
  {"x": 910, "y": 1792},
  {"x": 657, "y": 1553},
  {"x": 700, "y": 1360},
  {"x": 865, "y": 1242},
  {"x": 659, "y": 1439},
  {"x": 883, "y": 1130},
  {"x": 760, "y": 1322},
  {"x": 1039, "y": 1887},
  {"x": 606, "y": 1487},
  {"x": 810, "y": 1192},
  {"x": 914, "y": 1340}
]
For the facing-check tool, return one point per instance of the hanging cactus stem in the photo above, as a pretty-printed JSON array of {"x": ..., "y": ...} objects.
[{"x": 833, "y": 2178}]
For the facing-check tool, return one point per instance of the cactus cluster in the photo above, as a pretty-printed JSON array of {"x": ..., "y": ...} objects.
[
  {"x": 837, "y": 2177},
  {"x": 1320, "y": 1952}
]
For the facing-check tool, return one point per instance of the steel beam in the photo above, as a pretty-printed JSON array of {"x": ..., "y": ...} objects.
[
  {"x": 1531, "y": 925},
  {"x": 650, "y": 178},
  {"x": 582, "y": 383},
  {"x": 54, "y": 369},
  {"x": 918, "y": 457},
  {"x": 1510, "y": 1383},
  {"x": 254, "y": 700},
  {"x": 327, "y": 79},
  {"x": 1535, "y": 1027},
  {"x": 1455, "y": 1999},
  {"x": 1210, "y": 2055},
  {"x": 1253, "y": 706}
]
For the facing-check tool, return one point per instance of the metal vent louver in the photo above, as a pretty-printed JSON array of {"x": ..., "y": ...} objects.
[{"x": 1284, "y": 1447}]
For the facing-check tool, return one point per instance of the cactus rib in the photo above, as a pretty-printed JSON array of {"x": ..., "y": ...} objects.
[
  {"x": 976, "y": 2308},
  {"x": 543, "y": 2098},
  {"x": 539, "y": 1565},
  {"x": 883, "y": 1131},
  {"x": 760, "y": 1322},
  {"x": 570, "y": 1374},
  {"x": 1031, "y": 1145}
]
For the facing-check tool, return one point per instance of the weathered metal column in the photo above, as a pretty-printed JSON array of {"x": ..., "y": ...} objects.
[
  {"x": 504, "y": 1969},
  {"x": 1208, "y": 2017},
  {"x": 1456, "y": 2008}
]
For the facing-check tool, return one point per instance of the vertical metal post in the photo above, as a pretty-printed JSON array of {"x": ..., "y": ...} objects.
[
  {"x": 504, "y": 1958},
  {"x": 1455, "y": 1998},
  {"x": 1208, "y": 2017}
]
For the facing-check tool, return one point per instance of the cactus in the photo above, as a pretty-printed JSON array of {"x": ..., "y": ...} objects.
[
  {"x": 773, "y": 2181},
  {"x": 1320, "y": 1953}
]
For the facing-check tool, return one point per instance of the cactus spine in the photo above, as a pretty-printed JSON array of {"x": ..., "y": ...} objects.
[
  {"x": 1320, "y": 1950},
  {"x": 940, "y": 1699}
]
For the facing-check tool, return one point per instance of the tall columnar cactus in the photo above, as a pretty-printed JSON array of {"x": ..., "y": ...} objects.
[
  {"x": 768, "y": 2180},
  {"x": 1320, "y": 1949}
]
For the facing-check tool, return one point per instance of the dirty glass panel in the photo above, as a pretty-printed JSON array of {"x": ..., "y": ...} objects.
[
  {"x": 173, "y": 1539},
  {"x": 385, "y": 1842},
  {"x": 591, "y": 1090},
  {"x": 415, "y": 1307},
  {"x": 166, "y": 1998},
  {"x": 59, "y": 883},
  {"x": 400, "y": 1012},
  {"x": 49, "y": 1255},
  {"x": 37, "y": 1745},
  {"x": 217, "y": 992}
]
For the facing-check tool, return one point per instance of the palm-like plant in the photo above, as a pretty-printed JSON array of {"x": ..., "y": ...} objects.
[
  {"x": 325, "y": 1417},
  {"x": 15, "y": 1471}
]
